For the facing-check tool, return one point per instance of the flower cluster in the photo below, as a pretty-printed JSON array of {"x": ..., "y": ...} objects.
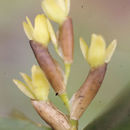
[{"x": 49, "y": 72}]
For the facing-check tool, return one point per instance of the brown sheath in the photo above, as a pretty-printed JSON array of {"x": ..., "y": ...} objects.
[
  {"x": 83, "y": 97},
  {"x": 49, "y": 67},
  {"x": 66, "y": 40},
  {"x": 49, "y": 113}
]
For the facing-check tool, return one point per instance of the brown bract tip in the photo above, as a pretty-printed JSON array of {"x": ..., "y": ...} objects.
[
  {"x": 49, "y": 113},
  {"x": 84, "y": 96},
  {"x": 66, "y": 40}
]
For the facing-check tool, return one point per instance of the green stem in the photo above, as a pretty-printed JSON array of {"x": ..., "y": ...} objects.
[
  {"x": 58, "y": 52},
  {"x": 67, "y": 66},
  {"x": 67, "y": 71},
  {"x": 65, "y": 99},
  {"x": 74, "y": 124}
]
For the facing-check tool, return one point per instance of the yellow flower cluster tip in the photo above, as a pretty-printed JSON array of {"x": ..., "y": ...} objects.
[
  {"x": 56, "y": 10},
  {"x": 97, "y": 54},
  {"x": 42, "y": 31},
  {"x": 36, "y": 87}
]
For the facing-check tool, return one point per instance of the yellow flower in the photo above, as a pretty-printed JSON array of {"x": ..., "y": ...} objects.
[
  {"x": 56, "y": 10},
  {"x": 36, "y": 87},
  {"x": 97, "y": 54},
  {"x": 42, "y": 31}
]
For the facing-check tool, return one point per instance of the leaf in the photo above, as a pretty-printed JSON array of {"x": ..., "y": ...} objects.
[
  {"x": 117, "y": 117},
  {"x": 13, "y": 124}
]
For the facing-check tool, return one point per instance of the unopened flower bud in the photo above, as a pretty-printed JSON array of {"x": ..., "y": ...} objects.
[{"x": 56, "y": 10}]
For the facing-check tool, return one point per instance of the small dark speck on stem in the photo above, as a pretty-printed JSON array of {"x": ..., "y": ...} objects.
[{"x": 56, "y": 94}]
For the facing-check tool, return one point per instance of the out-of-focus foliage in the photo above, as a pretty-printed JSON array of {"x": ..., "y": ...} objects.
[
  {"x": 13, "y": 124},
  {"x": 117, "y": 118}
]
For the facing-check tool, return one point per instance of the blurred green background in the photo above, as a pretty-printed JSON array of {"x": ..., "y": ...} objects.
[{"x": 110, "y": 18}]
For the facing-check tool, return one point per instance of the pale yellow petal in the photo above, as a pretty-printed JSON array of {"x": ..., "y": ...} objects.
[
  {"x": 27, "y": 30},
  {"x": 52, "y": 34},
  {"x": 110, "y": 50},
  {"x": 28, "y": 81},
  {"x": 67, "y": 72},
  {"x": 23, "y": 88},
  {"x": 41, "y": 33},
  {"x": 40, "y": 82},
  {"x": 38, "y": 77},
  {"x": 61, "y": 4},
  {"x": 84, "y": 48},
  {"x": 96, "y": 53},
  {"x": 54, "y": 10},
  {"x": 41, "y": 93},
  {"x": 67, "y": 3},
  {"x": 29, "y": 23}
]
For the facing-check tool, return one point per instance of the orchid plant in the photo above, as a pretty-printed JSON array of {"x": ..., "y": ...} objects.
[{"x": 49, "y": 72}]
